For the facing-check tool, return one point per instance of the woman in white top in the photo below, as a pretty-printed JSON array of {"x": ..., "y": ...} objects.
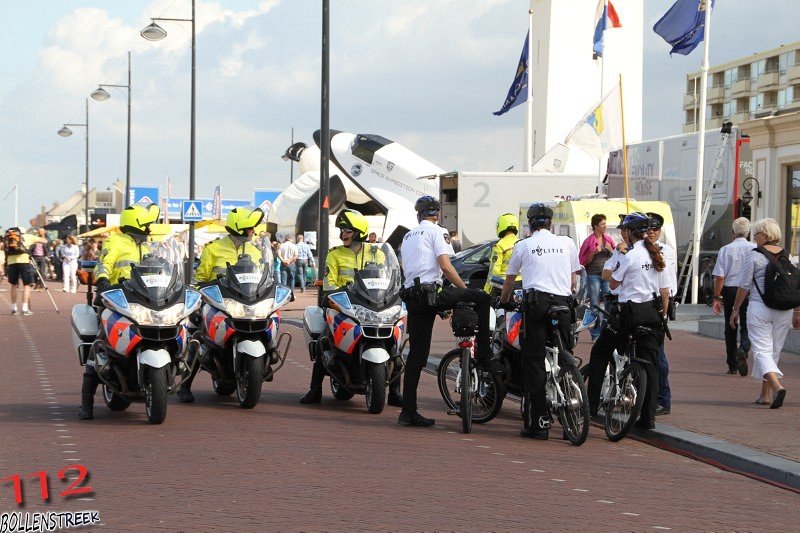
[
  {"x": 69, "y": 261},
  {"x": 641, "y": 278},
  {"x": 766, "y": 327}
]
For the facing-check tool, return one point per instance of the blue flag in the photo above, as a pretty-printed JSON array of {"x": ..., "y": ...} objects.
[
  {"x": 683, "y": 26},
  {"x": 518, "y": 92}
]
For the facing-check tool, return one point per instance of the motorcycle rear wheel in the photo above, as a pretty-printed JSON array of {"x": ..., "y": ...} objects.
[
  {"x": 155, "y": 393},
  {"x": 249, "y": 380},
  {"x": 114, "y": 401},
  {"x": 339, "y": 392},
  {"x": 221, "y": 388},
  {"x": 375, "y": 387}
]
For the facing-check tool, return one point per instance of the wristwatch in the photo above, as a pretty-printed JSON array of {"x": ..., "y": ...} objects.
[{"x": 718, "y": 298}]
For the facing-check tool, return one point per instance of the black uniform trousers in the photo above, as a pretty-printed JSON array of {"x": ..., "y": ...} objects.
[
  {"x": 534, "y": 339},
  {"x": 645, "y": 314},
  {"x": 600, "y": 357},
  {"x": 728, "y": 297},
  {"x": 421, "y": 318}
]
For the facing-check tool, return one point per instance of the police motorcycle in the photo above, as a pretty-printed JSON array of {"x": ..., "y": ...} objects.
[
  {"x": 358, "y": 335},
  {"x": 238, "y": 342},
  {"x": 139, "y": 346}
]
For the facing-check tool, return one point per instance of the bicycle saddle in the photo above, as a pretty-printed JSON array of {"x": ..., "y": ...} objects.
[
  {"x": 557, "y": 311},
  {"x": 643, "y": 330}
]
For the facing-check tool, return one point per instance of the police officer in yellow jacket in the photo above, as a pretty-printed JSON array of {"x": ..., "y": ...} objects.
[
  {"x": 114, "y": 266},
  {"x": 340, "y": 269},
  {"x": 217, "y": 255},
  {"x": 507, "y": 228}
]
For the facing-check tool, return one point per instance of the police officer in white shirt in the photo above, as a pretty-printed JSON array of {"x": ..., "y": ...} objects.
[
  {"x": 727, "y": 278},
  {"x": 603, "y": 348},
  {"x": 549, "y": 266},
  {"x": 641, "y": 280},
  {"x": 671, "y": 271},
  {"x": 425, "y": 253}
]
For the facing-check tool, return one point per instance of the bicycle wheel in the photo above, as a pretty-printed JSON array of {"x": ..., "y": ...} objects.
[
  {"x": 623, "y": 407},
  {"x": 489, "y": 391},
  {"x": 574, "y": 414},
  {"x": 467, "y": 390}
]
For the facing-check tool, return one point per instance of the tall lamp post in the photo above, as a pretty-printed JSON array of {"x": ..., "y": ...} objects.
[
  {"x": 154, "y": 32},
  {"x": 101, "y": 95},
  {"x": 66, "y": 132}
]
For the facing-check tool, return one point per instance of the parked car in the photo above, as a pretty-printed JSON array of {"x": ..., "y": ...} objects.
[{"x": 472, "y": 264}]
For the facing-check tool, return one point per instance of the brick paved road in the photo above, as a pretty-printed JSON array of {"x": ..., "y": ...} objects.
[{"x": 284, "y": 466}]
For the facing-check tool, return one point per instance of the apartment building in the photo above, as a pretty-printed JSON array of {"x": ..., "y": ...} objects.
[{"x": 764, "y": 84}]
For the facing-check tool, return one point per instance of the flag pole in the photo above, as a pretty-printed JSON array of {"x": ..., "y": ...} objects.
[
  {"x": 701, "y": 144},
  {"x": 602, "y": 59},
  {"x": 528, "y": 156},
  {"x": 624, "y": 145}
]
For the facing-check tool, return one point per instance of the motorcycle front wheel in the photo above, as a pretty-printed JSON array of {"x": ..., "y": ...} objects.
[
  {"x": 155, "y": 393},
  {"x": 249, "y": 379},
  {"x": 488, "y": 398},
  {"x": 114, "y": 401},
  {"x": 375, "y": 387}
]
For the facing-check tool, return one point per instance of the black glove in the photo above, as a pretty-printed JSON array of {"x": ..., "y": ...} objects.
[
  {"x": 102, "y": 285},
  {"x": 508, "y": 306}
]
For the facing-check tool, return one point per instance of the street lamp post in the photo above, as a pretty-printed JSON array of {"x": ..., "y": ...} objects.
[
  {"x": 154, "y": 32},
  {"x": 66, "y": 132},
  {"x": 101, "y": 95}
]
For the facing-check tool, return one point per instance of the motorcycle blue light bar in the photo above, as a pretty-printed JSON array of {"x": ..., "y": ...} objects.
[
  {"x": 212, "y": 293},
  {"x": 192, "y": 299},
  {"x": 341, "y": 299},
  {"x": 116, "y": 297}
]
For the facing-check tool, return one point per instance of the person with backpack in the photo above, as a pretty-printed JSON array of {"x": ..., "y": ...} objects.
[
  {"x": 774, "y": 307},
  {"x": 19, "y": 268}
]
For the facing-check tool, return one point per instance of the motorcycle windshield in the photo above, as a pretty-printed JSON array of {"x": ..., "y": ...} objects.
[
  {"x": 377, "y": 276},
  {"x": 158, "y": 277},
  {"x": 247, "y": 279}
]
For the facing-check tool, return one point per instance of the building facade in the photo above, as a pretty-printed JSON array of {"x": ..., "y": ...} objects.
[{"x": 761, "y": 85}]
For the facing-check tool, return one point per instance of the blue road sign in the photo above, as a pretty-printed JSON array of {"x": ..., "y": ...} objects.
[
  {"x": 143, "y": 196},
  {"x": 192, "y": 210}
]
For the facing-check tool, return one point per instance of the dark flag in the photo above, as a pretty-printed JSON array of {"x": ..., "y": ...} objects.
[{"x": 518, "y": 92}]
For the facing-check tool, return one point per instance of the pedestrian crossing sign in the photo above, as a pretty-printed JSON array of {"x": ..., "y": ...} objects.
[{"x": 192, "y": 210}]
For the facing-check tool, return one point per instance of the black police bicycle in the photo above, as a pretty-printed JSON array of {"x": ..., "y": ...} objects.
[
  {"x": 475, "y": 394},
  {"x": 624, "y": 385}
]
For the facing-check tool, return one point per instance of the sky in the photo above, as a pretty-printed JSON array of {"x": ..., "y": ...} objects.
[{"x": 425, "y": 73}]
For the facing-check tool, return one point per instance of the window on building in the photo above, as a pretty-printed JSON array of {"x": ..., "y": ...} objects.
[
  {"x": 753, "y": 104},
  {"x": 783, "y": 62},
  {"x": 726, "y": 110},
  {"x": 743, "y": 72},
  {"x": 771, "y": 65},
  {"x": 754, "y": 70},
  {"x": 689, "y": 117},
  {"x": 692, "y": 85},
  {"x": 781, "y": 99}
]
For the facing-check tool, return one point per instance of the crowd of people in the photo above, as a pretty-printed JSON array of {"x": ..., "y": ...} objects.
[{"x": 635, "y": 279}]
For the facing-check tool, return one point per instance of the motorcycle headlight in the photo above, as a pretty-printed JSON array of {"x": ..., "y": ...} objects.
[
  {"x": 149, "y": 317},
  {"x": 387, "y": 316},
  {"x": 237, "y": 309}
]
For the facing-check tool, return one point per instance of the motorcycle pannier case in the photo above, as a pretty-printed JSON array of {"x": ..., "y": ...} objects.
[
  {"x": 84, "y": 329},
  {"x": 314, "y": 321}
]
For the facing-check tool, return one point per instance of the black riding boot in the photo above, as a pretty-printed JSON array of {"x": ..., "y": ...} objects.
[
  {"x": 395, "y": 398},
  {"x": 314, "y": 394},
  {"x": 88, "y": 388},
  {"x": 185, "y": 390},
  {"x": 534, "y": 425}
]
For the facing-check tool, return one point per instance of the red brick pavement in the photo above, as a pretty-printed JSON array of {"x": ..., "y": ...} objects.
[{"x": 284, "y": 466}]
